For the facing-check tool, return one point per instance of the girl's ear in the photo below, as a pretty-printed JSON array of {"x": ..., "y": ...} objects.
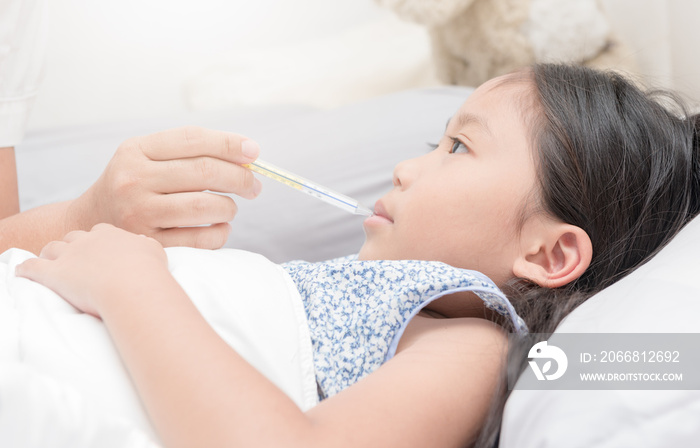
[{"x": 553, "y": 254}]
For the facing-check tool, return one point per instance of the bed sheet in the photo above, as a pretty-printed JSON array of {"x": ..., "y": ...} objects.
[{"x": 62, "y": 383}]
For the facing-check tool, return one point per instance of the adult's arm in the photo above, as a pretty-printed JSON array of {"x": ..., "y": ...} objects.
[
  {"x": 23, "y": 32},
  {"x": 155, "y": 185},
  {"x": 160, "y": 185},
  {"x": 9, "y": 196}
]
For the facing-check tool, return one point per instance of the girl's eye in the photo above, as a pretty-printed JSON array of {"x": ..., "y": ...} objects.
[{"x": 458, "y": 147}]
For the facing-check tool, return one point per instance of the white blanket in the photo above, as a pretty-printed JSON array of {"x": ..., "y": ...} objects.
[{"x": 62, "y": 382}]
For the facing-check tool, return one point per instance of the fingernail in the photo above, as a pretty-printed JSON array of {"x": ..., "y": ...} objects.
[{"x": 250, "y": 149}]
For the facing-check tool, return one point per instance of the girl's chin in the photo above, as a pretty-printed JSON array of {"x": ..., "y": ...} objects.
[{"x": 367, "y": 252}]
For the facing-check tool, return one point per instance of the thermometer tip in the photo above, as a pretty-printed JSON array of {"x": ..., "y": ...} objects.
[{"x": 364, "y": 211}]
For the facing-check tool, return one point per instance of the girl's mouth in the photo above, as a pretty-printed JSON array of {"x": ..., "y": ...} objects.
[{"x": 381, "y": 216}]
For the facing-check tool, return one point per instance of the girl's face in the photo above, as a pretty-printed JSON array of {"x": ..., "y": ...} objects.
[{"x": 462, "y": 203}]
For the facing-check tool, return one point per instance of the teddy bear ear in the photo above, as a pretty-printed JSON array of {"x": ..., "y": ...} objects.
[{"x": 426, "y": 12}]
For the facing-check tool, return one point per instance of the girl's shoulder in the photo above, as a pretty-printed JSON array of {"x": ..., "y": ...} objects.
[
  {"x": 445, "y": 371},
  {"x": 463, "y": 335}
]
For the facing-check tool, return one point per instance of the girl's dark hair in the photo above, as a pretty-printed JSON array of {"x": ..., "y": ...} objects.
[{"x": 618, "y": 162}]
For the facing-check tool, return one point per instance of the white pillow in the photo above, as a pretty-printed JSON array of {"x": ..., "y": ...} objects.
[{"x": 662, "y": 296}]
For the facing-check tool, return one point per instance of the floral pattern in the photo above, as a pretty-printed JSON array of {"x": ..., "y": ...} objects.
[{"x": 357, "y": 310}]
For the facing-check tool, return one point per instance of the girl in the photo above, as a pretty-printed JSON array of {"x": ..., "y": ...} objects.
[{"x": 554, "y": 182}]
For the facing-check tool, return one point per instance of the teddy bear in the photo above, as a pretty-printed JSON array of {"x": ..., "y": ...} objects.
[{"x": 475, "y": 40}]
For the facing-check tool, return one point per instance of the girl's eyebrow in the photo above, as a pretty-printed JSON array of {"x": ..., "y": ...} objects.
[{"x": 466, "y": 118}]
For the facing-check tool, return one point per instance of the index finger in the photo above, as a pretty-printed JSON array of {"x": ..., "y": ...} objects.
[{"x": 194, "y": 141}]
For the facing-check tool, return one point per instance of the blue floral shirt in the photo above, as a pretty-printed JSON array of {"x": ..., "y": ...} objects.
[{"x": 358, "y": 310}]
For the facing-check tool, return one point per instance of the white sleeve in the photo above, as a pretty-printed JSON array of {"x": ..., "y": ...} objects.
[{"x": 23, "y": 36}]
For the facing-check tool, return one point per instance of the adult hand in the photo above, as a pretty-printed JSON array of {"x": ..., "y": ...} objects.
[{"x": 156, "y": 186}]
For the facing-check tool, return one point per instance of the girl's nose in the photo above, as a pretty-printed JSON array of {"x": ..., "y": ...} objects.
[{"x": 405, "y": 172}]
